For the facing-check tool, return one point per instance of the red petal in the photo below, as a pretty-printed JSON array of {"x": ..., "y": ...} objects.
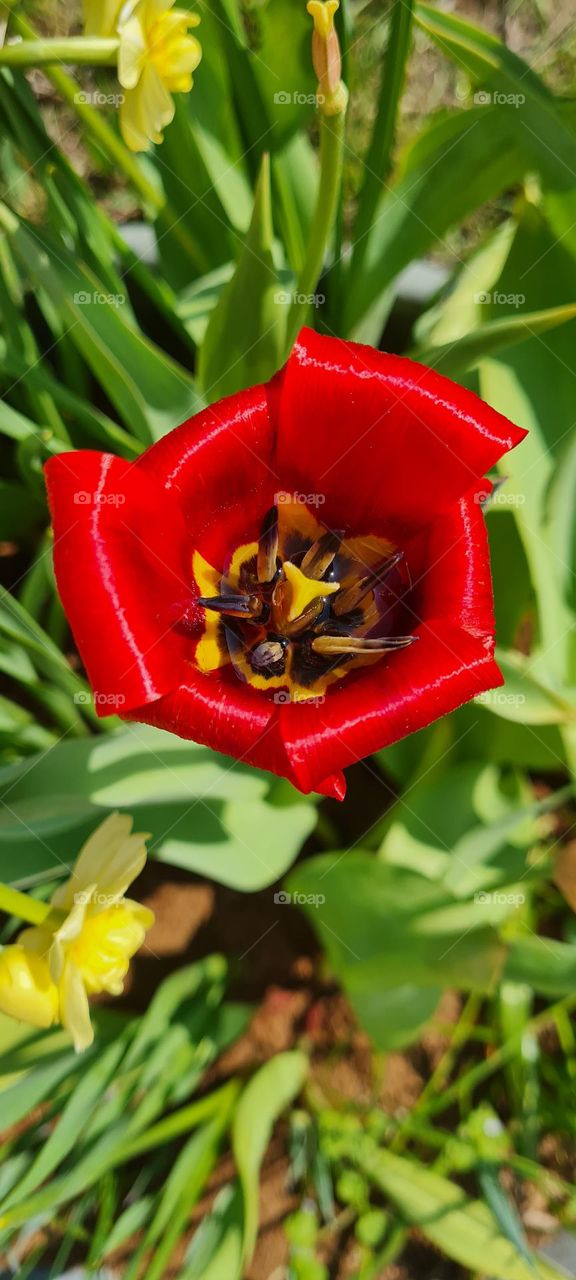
[
  {"x": 122, "y": 567},
  {"x": 450, "y": 568},
  {"x": 220, "y": 468},
  {"x": 445, "y": 668},
  {"x": 385, "y": 442}
]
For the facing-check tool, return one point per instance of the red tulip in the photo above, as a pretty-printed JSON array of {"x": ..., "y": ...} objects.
[{"x": 334, "y": 518}]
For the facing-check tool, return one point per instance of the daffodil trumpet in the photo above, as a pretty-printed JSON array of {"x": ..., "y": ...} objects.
[{"x": 81, "y": 943}]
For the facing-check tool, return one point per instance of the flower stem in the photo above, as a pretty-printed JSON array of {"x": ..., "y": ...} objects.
[
  {"x": 22, "y": 905},
  {"x": 77, "y": 49},
  {"x": 331, "y": 158}
]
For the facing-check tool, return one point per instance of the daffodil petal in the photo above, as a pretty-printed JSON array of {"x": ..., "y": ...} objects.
[
  {"x": 132, "y": 52},
  {"x": 74, "y": 1008},
  {"x": 146, "y": 111},
  {"x": 101, "y": 17},
  {"x": 108, "y": 863}
]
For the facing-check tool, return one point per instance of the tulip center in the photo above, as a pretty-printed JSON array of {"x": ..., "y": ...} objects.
[{"x": 297, "y": 610}]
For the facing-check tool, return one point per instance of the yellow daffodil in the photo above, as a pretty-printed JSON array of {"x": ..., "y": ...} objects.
[
  {"x": 85, "y": 945},
  {"x": 156, "y": 58}
]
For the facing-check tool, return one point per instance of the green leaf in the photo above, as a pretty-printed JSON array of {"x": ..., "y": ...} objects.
[
  {"x": 456, "y": 357},
  {"x": 243, "y": 341},
  {"x": 547, "y": 966},
  {"x": 151, "y": 392},
  {"x": 204, "y": 812},
  {"x": 379, "y": 157},
  {"x": 463, "y": 1229},
  {"x": 216, "y": 1249},
  {"x": 264, "y": 1099},
  {"x": 384, "y": 927},
  {"x": 539, "y": 125},
  {"x": 526, "y": 698},
  {"x": 460, "y": 161}
]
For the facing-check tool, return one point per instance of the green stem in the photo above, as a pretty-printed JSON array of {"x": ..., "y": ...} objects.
[
  {"x": 42, "y": 53},
  {"x": 22, "y": 905},
  {"x": 331, "y": 159}
]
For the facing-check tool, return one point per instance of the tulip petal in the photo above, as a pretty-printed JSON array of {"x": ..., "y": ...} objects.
[
  {"x": 122, "y": 570},
  {"x": 219, "y": 467},
  {"x": 389, "y": 443}
]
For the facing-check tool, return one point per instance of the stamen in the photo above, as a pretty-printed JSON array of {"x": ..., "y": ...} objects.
[
  {"x": 268, "y": 546},
  {"x": 304, "y": 590},
  {"x": 321, "y": 554},
  {"x": 329, "y": 645},
  {"x": 351, "y": 597},
  {"x": 267, "y": 655},
  {"x": 234, "y": 606}
]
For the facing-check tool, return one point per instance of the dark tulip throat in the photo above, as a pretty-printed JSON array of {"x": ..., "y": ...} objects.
[{"x": 301, "y": 607}]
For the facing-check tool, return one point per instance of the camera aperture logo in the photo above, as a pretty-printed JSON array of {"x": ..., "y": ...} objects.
[{"x": 283, "y": 899}]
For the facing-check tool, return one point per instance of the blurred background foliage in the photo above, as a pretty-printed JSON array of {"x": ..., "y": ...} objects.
[{"x": 413, "y": 1002}]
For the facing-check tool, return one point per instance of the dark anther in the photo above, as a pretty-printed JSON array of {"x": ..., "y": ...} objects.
[
  {"x": 320, "y": 555},
  {"x": 269, "y": 657},
  {"x": 331, "y": 645},
  {"x": 234, "y": 606},
  {"x": 268, "y": 546},
  {"x": 349, "y": 599}
]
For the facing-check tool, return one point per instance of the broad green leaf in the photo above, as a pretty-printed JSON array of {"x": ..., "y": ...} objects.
[
  {"x": 204, "y": 812},
  {"x": 465, "y": 1230},
  {"x": 544, "y": 964},
  {"x": 460, "y": 161},
  {"x": 524, "y": 697},
  {"x": 243, "y": 341},
  {"x": 264, "y": 1099},
  {"x": 384, "y": 927}
]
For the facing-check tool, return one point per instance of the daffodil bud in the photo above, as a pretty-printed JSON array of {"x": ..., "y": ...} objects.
[
  {"x": 332, "y": 92},
  {"x": 27, "y": 991}
]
